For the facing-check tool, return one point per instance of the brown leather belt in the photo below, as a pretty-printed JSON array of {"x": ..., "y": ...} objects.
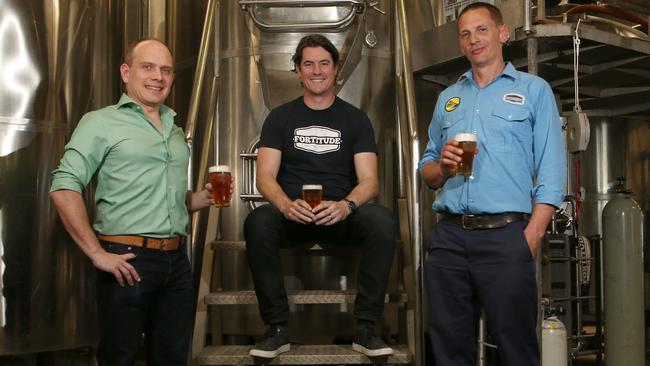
[
  {"x": 490, "y": 221},
  {"x": 164, "y": 244}
]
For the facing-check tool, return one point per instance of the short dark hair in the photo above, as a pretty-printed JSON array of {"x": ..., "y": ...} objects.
[
  {"x": 315, "y": 40},
  {"x": 495, "y": 13},
  {"x": 128, "y": 53}
]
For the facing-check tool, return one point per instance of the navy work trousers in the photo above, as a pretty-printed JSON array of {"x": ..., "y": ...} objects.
[
  {"x": 371, "y": 226},
  {"x": 493, "y": 269},
  {"x": 160, "y": 306}
]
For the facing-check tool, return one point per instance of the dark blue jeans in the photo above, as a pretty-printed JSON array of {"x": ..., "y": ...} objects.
[
  {"x": 467, "y": 270},
  {"x": 372, "y": 227},
  {"x": 161, "y": 307}
]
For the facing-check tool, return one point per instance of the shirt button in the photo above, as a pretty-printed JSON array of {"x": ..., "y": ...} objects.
[{"x": 510, "y": 116}]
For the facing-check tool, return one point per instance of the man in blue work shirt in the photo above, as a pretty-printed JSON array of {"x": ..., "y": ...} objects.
[{"x": 481, "y": 252}]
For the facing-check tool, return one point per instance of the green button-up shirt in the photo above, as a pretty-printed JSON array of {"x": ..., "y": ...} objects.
[{"x": 141, "y": 171}]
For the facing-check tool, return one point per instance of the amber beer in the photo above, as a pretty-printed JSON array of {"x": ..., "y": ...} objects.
[
  {"x": 220, "y": 181},
  {"x": 312, "y": 194},
  {"x": 467, "y": 142}
]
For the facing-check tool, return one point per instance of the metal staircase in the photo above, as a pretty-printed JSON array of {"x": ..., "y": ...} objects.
[{"x": 321, "y": 354}]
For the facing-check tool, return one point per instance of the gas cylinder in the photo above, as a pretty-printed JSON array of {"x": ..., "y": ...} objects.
[
  {"x": 554, "y": 342},
  {"x": 623, "y": 280}
]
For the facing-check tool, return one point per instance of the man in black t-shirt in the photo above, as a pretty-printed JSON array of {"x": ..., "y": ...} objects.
[{"x": 319, "y": 139}]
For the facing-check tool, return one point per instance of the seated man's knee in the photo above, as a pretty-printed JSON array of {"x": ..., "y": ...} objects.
[
  {"x": 378, "y": 219},
  {"x": 261, "y": 220}
]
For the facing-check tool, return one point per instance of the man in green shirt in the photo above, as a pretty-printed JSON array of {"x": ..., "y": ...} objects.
[{"x": 144, "y": 282}]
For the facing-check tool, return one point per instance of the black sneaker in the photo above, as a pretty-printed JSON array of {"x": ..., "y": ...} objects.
[
  {"x": 275, "y": 341},
  {"x": 369, "y": 343}
]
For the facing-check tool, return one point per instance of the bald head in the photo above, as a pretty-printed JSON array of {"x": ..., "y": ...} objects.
[{"x": 131, "y": 48}]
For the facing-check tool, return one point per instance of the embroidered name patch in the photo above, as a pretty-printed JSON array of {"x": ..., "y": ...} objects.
[
  {"x": 514, "y": 98},
  {"x": 452, "y": 104},
  {"x": 316, "y": 139}
]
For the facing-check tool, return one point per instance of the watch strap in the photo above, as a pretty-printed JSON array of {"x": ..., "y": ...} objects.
[{"x": 351, "y": 205}]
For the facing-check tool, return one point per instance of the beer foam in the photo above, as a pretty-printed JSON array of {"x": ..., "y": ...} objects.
[
  {"x": 312, "y": 186},
  {"x": 465, "y": 137},
  {"x": 219, "y": 169}
]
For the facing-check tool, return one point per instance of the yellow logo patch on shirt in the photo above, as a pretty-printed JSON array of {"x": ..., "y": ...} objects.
[{"x": 452, "y": 104}]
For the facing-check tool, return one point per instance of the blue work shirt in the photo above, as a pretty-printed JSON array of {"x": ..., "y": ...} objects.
[{"x": 521, "y": 151}]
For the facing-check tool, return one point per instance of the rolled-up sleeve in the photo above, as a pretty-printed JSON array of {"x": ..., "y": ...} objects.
[
  {"x": 82, "y": 156},
  {"x": 432, "y": 151},
  {"x": 549, "y": 151}
]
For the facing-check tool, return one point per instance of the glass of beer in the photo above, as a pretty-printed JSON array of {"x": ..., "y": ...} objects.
[
  {"x": 220, "y": 181},
  {"x": 467, "y": 142},
  {"x": 312, "y": 194}
]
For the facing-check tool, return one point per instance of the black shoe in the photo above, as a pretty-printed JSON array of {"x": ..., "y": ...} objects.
[
  {"x": 369, "y": 343},
  {"x": 275, "y": 341}
]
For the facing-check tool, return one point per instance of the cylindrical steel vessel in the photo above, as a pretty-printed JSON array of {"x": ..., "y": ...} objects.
[
  {"x": 600, "y": 165},
  {"x": 53, "y": 57},
  {"x": 623, "y": 281},
  {"x": 256, "y": 76}
]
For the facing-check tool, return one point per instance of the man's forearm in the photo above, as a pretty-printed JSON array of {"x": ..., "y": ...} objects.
[
  {"x": 433, "y": 174},
  {"x": 72, "y": 212},
  {"x": 536, "y": 228},
  {"x": 272, "y": 192},
  {"x": 540, "y": 218},
  {"x": 365, "y": 191}
]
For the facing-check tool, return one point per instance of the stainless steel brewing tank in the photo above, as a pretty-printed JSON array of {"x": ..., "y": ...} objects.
[
  {"x": 52, "y": 59},
  {"x": 600, "y": 165},
  {"x": 619, "y": 147},
  {"x": 248, "y": 91}
]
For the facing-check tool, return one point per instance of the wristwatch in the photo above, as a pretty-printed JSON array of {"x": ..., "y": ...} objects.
[{"x": 351, "y": 205}]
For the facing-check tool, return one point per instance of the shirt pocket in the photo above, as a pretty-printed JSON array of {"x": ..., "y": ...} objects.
[
  {"x": 450, "y": 125},
  {"x": 510, "y": 129}
]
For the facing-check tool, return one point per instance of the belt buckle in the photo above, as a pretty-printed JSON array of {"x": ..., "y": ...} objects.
[{"x": 463, "y": 224}]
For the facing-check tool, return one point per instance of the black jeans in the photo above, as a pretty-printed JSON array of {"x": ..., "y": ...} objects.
[
  {"x": 472, "y": 269},
  {"x": 161, "y": 306},
  {"x": 372, "y": 227}
]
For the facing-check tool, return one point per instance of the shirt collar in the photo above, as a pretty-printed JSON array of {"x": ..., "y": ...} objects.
[
  {"x": 126, "y": 101},
  {"x": 508, "y": 71}
]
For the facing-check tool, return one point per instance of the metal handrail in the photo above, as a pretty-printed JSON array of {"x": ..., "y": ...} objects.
[
  {"x": 197, "y": 89},
  {"x": 409, "y": 145},
  {"x": 356, "y": 7},
  {"x": 197, "y": 85}
]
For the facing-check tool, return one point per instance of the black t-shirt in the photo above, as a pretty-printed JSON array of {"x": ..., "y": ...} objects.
[{"x": 318, "y": 146}]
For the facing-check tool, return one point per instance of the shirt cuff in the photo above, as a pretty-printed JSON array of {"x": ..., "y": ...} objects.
[
  {"x": 550, "y": 198},
  {"x": 65, "y": 184}
]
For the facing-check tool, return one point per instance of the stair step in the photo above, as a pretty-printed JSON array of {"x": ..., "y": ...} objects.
[
  {"x": 296, "y": 297},
  {"x": 301, "y": 355},
  {"x": 241, "y": 245},
  {"x": 229, "y": 245}
]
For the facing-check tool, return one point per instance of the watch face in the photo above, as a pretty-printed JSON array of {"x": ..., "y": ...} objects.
[{"x": 351, "y": 205}]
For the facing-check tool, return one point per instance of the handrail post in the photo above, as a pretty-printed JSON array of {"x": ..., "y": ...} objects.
[
  {"x": 190, "y": 127},
  {"x": 411, "y": 155}
]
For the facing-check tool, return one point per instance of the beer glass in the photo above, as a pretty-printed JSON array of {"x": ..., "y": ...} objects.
[
  {"x": 312, "y": 194},
  {"x": 220, "y": 181},
  {"x": 467, "y": 142}
]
